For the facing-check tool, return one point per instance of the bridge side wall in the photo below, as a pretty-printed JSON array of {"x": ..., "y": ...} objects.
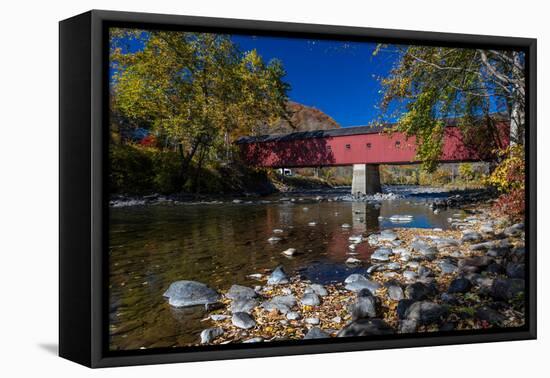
[{"x": 377, "y": 148}]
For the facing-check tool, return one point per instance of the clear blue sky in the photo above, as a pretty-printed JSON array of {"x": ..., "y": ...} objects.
[{"x": 339, "y": 78}]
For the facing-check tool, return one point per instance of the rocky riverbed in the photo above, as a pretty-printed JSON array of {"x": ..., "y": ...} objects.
[
  {"x": 449, "y": 198},
  {"x": 471, "y": 276}
]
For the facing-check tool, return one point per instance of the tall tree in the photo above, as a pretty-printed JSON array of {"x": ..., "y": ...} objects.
[
  {"x": 428, "y": 84},
  {"x": 195, "y": 90}
]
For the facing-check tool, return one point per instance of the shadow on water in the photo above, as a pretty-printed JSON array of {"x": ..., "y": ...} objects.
[{"x": 221, "y": 245}]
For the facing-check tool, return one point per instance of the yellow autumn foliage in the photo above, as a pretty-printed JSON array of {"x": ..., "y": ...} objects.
[{"x": 510, "y": 172}]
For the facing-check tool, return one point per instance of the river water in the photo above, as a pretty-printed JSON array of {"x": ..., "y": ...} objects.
[{"x": 222, "y": 244}]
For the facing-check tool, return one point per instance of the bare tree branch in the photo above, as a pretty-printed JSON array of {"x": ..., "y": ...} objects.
[{"x": 518, "y": 84}]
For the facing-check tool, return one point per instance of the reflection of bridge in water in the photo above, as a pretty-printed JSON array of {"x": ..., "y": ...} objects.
[
  {"x": 364, "y": 217},
  {"x": 365, "y": 148}
]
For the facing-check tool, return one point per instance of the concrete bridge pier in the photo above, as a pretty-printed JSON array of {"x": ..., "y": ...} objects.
[{"x": 366, "y": 179}]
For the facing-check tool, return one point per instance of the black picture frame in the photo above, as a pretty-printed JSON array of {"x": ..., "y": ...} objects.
[{"x": 83, "y": 198}]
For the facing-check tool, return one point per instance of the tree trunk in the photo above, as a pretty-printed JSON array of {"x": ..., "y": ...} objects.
[
  {"x": 186, "y": 161},
  {"x": 515, "y": 86},
  {"x": 227, "y": 147},
  {"x": 196, "y": 180},
  {"x": 517, "y": 116}
]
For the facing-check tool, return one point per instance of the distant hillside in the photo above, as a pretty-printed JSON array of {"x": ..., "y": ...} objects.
[{"x": 302, "y": 118}]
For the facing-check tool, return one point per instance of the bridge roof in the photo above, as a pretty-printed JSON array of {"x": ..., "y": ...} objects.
[
  {"x": 355, "y": 130},
  {"x": 344, "y": 131}
]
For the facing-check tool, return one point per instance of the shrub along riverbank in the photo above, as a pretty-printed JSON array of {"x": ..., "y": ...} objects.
[
  {"x": 450, "y": 175},
  {"x": 139, "y": 171}
]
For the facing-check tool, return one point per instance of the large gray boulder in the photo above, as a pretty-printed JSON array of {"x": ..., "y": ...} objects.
[
  {"x": 489, "y": 315},
  {"x": 242, "y": 320},
  {"x": 459, "y": 285},
  {"x": 402, "y": 307},
  {"x": 310, "y": 300},
  {"x": 190, "y": 293},
  {"x": 424, "y": 272},
  {"x": 316, "y": 333},
  {"x": 506, "y": 289},
  {"x": 381, "y": 254},
  {"x": 471, "y": 237},
  {"x": 514, "y": 230},
  {"x": 239, "y": 292},
  {"x": 395, "y": 292},
  {"x": 393, "y": 266},
  {"x": 243, "y": 305},
  {"x": 365, "y": 307},
  {"x": 408, "y": 326},
  {"x": 418, "y": 291},
  {"x": 208, "y": 335},
  {"x": 281, "y": 303},
  {"x": 355, "y": 277},
  {"x": 514, "y": 270},
  {"x": 447, "y": 267},
  {"x": 474, "y": 264},
  {"x": 278, "y": 276},
  {"x": 445, "y": 242},
  {"x": 366, "y": 327},
  {"x": 487, "y": 229},
  {"x": 359, "y": 285},
  {"x": 317, "y": 289},
  {"x": 424, "y": 249},
  {"x": 387, "y": 235},
  {"x": 502, "y": 243},
  {"x": 409, "y": 275},
  {"x": 498, "y": 252},
  {"x": 425, "y": 312}
]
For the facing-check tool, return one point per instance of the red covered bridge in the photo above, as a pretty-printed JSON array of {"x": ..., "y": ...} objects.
[{"x": 363, "y": 147}]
